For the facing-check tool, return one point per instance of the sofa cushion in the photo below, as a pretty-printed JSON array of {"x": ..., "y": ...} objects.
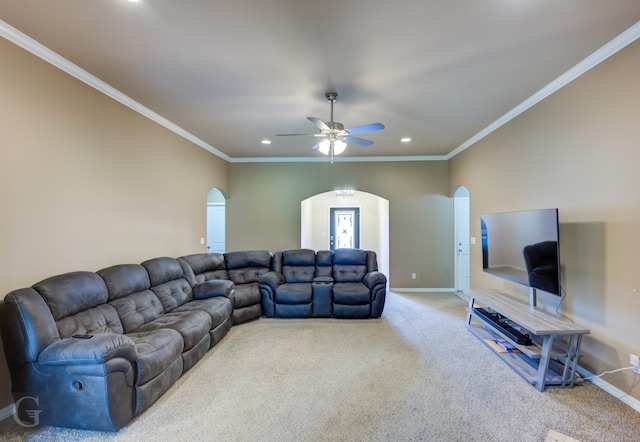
[
  {"x": 349, "y": 265},
  {"x": 192, "y": 325},
  {"x": 351, "y": 293},
  {"x": 124, "y": 279},
  {"x": 246, "y": 295},
  {"x": 218, "y": 308},
  {"x": 71, "y": 293},
  {"x": 163, "y": 269},
  {"x": 247, "y": 266},
  {"x": 324, "y": 263},
  {"x": 100, "y": 319},
  {"x": 294, "y": 293},
  {"x": 157, "y": 350},
  {"x": 167, "y": 282},
  {"x": 202, "y": 267},
  {"x": 137, "y": 309},
  {"x": 298, "y": 265}
]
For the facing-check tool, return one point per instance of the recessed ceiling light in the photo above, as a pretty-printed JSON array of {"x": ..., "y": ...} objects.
[
  {"x": 133, "y": 1},
  {"x": 266, "y": 141},
  {"x": 405, "y": 140}
]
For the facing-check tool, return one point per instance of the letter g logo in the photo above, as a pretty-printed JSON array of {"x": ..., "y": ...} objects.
[{"x": 33, "y": 414}]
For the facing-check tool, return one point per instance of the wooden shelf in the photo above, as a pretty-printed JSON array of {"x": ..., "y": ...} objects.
[
  {"x": 525, "y": 365},
  {"x": 532, "y": 351},
  {"x": 556, "y": 339},
  {"x": 537, "y": 321}
]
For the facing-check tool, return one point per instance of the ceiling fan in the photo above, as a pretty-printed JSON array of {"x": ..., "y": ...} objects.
[{"x": 334, "y": 136}]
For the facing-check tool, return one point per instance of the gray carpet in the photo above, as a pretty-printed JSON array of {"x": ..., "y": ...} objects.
[{"x": 415, "y": 374}]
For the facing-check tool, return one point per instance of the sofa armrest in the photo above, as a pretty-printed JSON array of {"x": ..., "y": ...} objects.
[
  {"x": 373, "y": 279},
  {"x": 271, "y": 279},
  {"x": 213, "y": 287},
  {"x": 98, "y": 349}
]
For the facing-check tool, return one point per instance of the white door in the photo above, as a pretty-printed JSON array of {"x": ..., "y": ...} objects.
[
  {"x": 461, "y": 208},
  {"x": 215, "y": 228}
]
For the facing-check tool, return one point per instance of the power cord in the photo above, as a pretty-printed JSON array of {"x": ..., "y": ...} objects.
[
  {"x": 607, "y": 372},
  {"x": 564, "y": 295}
]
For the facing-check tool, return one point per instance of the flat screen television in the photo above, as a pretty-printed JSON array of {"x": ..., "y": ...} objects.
[{"x": 523, "y": 247}]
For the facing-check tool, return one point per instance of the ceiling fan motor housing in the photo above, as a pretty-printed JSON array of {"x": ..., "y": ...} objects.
[{"x": 331, "y": 96}]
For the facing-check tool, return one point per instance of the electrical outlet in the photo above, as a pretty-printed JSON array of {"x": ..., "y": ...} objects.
[
  {"x": 635, "y": 363},
  {"x": 413, "y": 276}
]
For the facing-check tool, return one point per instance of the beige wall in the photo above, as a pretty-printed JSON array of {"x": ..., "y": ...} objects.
[
  {"x": 579, "y": 151},
  {"x": 86, "y": 182},
  {"x": 373, "y": 226},
  {"x": 263, "y": 210}
]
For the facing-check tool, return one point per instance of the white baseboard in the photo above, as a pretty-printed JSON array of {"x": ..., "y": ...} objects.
[
  {"x": 422, "y": 290},
  {"x": 6, "y": 412},
  {"x": 612, "y": 390}
]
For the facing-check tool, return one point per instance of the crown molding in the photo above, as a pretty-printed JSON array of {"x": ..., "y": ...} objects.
[
  {"x": 31, "y": 45},
  {"x": 338, "y": 159},
  {"x": 606, "y": 51}
]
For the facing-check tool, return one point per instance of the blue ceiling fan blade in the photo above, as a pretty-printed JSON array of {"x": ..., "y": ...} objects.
[
  {"x": 365, "y": 128},
  {"x": 356, "y": 140}
]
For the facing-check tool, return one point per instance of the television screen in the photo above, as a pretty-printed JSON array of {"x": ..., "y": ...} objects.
[{"x": 523, "y": 247}]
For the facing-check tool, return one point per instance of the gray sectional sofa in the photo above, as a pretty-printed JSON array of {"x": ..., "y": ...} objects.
[{"x": 95, "y": 349}]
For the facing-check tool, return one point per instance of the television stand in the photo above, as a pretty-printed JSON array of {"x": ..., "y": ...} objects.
[{"x": 552, "y": 358}]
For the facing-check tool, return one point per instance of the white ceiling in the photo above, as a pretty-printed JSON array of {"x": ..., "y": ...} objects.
[{"x": 231, "y": 73}]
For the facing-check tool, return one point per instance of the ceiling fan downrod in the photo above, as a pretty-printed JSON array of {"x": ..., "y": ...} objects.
[{"x": 332, "y": 97}]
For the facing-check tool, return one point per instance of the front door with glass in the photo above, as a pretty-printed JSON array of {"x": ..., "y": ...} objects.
[{"x": 344, "y": 228}]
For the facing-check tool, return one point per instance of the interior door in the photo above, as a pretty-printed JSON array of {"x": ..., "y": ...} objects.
[
  {"x": 344, "y": 228},
  {"x": 215, "y": 227},
  {"x": 463, "y": 277}
]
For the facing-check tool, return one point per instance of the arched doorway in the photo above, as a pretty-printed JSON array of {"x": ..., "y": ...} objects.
[
  {"x": 216, "y": 213},
  {"x": 373, "y": 224},
  {"x": 461, "y": 235}
]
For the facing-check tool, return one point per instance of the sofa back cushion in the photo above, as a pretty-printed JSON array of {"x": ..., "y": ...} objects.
[
  {"x": 168, "y": 282},
  {"x": 78, "y": 304},
  {"x": 247, "y": 266},
  {"x": 324, "y": 263},
  {"x": 130, "y": 295},
  {"x": 202, "y": 267},
  {"x": 349, "y": 265},
  {"x": 298, "y": 265},
  {"x": 71, "y": 293}
]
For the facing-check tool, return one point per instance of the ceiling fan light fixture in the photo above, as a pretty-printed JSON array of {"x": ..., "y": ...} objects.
[
  {"x": 324, "y": 146},
  {"x": 338, "y": 147}
]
